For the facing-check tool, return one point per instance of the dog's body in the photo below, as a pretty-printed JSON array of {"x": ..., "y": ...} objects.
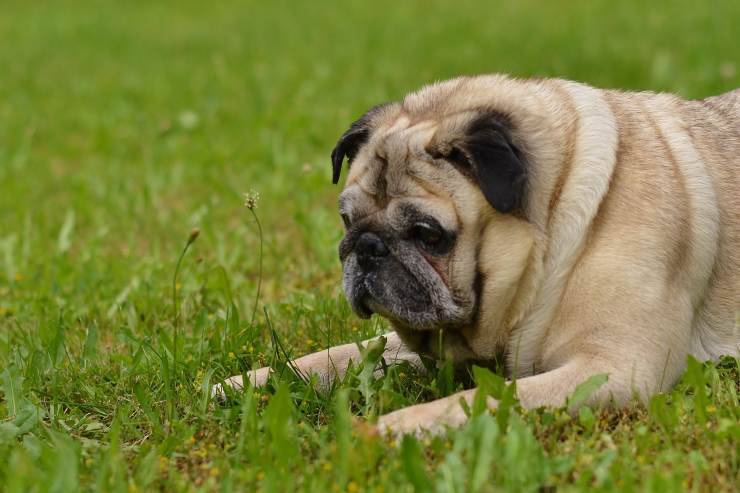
[{"x": 573, "y": 230}]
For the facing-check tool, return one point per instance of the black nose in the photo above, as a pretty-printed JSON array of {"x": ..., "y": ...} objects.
[{"x": 370, "y": 248}]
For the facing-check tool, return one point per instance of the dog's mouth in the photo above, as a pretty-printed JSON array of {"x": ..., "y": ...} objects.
[
  {"x": 409, "y": 294},
  {"x": 413, "y": 312}
]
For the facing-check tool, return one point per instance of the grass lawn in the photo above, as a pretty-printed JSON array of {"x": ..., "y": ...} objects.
[{"x": 123, "y": 125}]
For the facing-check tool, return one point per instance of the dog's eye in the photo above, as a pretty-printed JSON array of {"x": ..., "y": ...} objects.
[
  {"x": 426, "y": 233},
  {"x": 345, "y": 220}
]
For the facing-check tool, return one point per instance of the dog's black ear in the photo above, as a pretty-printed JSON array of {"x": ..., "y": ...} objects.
[
  {"x": 351, "y": 141},
  {"x": 487, "y": 155}
]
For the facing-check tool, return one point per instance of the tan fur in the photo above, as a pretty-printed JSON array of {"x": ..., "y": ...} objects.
[{"x": 626, "y": 258}]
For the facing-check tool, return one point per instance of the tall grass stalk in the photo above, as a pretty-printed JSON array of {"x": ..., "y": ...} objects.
[
  {"x": 250, "y": 203},
  {"x": 176, "y": 317}
]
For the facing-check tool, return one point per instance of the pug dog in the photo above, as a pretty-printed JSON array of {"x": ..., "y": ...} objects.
[{"x": 570, "y": 230}]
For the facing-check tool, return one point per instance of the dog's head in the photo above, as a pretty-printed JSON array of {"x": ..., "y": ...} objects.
[{"x": 429, "y": 179}]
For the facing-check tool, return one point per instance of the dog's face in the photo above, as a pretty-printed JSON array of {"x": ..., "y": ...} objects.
[{"x": 425, "y": 184}]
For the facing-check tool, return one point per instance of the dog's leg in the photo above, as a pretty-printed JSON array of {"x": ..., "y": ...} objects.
[
  {"x": 328, "y": 364},
  {"x": 546, "y": 389}
]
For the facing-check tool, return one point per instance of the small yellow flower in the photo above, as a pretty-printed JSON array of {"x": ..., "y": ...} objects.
[
  {"x": 231, "y": 355},
  {"x": 18, "y": 277},
  {"x": 163, "y": 463},
  {"x": 352, "y": 487},
  {"x": 711, "y": 408}
]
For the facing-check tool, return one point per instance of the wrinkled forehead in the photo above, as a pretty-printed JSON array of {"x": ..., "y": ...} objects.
[
  {"x": 390, "y": 175},
  {"x": 395, "y": 152}
]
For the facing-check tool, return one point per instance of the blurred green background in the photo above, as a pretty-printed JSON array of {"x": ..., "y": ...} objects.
[
  {"x": 125, "y": 124},
  {"x": 144, "y": 119}
]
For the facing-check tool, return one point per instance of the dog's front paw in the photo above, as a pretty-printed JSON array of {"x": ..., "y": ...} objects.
[
  {"x": 432, "y": 418},
  {"x": 257, "y": 377}
]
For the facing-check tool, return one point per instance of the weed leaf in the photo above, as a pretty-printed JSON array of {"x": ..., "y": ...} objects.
[
  {"x": 585, "y": 390},
  {"x": 413, "y": 464}
]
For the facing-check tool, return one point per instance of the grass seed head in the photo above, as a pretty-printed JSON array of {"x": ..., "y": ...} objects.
[
  {"x": 193, "y": 235},
  {"x": 251, "y": 199}
]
